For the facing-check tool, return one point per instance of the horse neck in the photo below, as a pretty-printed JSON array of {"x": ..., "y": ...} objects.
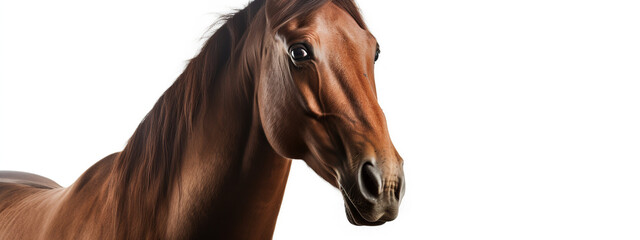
[
  {"x": 230, "y": 178},
  {"x": 200, "y": 164}
]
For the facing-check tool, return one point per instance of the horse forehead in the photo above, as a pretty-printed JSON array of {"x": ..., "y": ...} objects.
[
  {"x": 327, "y": 23},
  {"x": 340, "y": 28}
]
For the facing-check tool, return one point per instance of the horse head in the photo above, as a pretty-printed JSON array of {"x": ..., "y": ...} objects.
[{"x": 317, "y": 101}]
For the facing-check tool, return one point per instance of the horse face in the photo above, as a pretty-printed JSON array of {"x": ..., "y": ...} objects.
[{"x": 326, "y": 112}]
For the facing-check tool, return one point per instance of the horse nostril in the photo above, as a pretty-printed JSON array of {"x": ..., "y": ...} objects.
[
  {"x": 370, "y": 181},
  {"x": 399, "y": 189}
]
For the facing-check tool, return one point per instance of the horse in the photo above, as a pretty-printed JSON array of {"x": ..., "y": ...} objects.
[{"x": 278, "y": 80}]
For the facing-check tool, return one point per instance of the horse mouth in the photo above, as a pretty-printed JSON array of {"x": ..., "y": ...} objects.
[{"x": 353, "y": 214}]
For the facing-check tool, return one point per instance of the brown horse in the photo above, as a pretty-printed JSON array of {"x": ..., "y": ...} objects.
[{"x": 280, "y": 80}]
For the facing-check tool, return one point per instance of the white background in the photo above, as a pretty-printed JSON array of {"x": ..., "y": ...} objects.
[{"x": 516, "y": 119}]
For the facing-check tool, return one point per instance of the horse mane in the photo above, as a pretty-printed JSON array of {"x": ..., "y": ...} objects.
[{"x": 149, "y": 162}]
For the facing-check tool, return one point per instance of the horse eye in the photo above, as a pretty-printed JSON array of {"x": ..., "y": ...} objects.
[
  {"x": 377, "y": 55},
  {"x": 299, "y": 52}
]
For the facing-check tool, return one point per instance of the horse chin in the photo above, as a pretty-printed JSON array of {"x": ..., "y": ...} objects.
[{"x": 354, "y": 216}]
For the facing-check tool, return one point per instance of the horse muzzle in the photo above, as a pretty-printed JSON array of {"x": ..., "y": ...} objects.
[{"x": 373, "y": 197}]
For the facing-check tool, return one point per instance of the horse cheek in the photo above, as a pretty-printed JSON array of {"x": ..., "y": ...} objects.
[{"x": 282, "y": 124}]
